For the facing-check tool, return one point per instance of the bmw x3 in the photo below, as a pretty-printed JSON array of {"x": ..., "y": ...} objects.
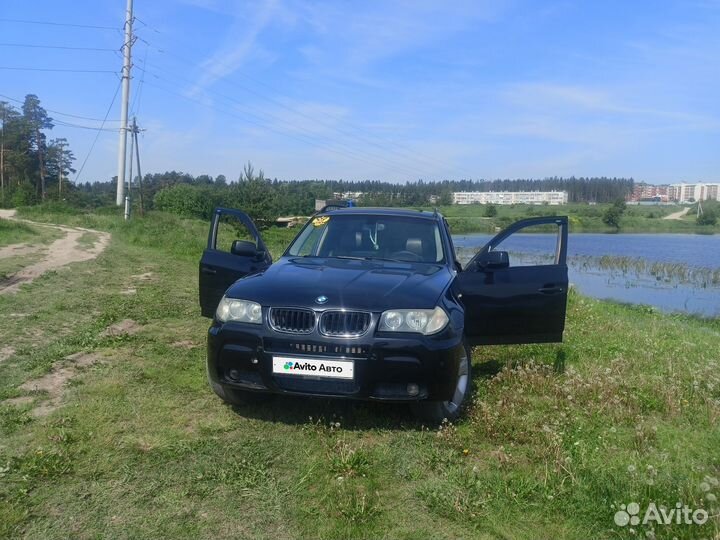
[{"x": 371, "y": 304}]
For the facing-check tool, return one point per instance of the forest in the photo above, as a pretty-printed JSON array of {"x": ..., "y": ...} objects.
[
  {"x": 33, "y": 167},
  {"x": 266, "y": 199}
]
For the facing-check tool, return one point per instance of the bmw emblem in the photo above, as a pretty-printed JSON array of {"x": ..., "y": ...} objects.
[{"x": 322, "y": 299}]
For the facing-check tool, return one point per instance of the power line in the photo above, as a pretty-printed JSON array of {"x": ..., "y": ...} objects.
[
  {"x": 408, "y": 152},
  {"x": 263, "y": 118},
  {"x": 146, "y": 25},
  {"x": 79, "y": 126},
  {"x": 255, "y": 120},
  {"x": 59, "y": 112},
  {"x": 97, "y": 135},
  {"x": 135, "y": 107},
  {"x": 298, "y": 137},
  {"x": 63, "y": 47},
  {"x": 52, "y": 23},
  {"x": 62, "y": 70}
]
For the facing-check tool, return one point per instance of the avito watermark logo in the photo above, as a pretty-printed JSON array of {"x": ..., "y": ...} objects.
[{"x": 681, "y": 514}]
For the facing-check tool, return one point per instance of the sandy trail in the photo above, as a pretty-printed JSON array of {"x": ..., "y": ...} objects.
[
  {"x": 61, "y": 252},
  {"x": 678, "y": 215}
]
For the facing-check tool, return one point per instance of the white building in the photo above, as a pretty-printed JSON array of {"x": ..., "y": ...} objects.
[
  {"x": 348, "y": 195},
  {"x": 699, "y": 191},
  {"x": 510, "y": 197}
]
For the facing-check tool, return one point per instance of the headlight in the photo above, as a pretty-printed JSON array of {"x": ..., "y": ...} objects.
[
  {"x": 423, "y": 321},
  {"x": 232, "y": 309}
]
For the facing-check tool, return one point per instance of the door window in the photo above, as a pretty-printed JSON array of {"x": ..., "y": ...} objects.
[
  {"x": 229, "y": 229},
  {"x": 534, "y": 245}
]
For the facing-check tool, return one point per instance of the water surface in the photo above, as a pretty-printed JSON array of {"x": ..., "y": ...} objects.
[{"x": 673, "y": 272}]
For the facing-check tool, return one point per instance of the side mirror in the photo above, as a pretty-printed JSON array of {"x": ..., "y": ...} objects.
[
  {"x": 244, "y": 248},
  {"x": 494, "y": 260}
]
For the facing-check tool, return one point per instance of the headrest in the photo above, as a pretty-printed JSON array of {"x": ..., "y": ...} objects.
[{"x": 414, "y": 245}]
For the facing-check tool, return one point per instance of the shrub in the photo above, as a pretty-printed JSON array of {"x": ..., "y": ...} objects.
[
  {"x": 708, "y": 217},
  {"x": 185, "y": 200},
  {"x": 24, "y": 195},
  {"x": 612, "y": 217}
]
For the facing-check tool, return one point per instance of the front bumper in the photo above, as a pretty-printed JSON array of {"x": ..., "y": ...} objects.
[{"x": 240, "y": 356}]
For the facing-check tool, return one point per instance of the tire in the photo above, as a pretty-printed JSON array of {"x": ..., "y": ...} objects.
[
  {"x": 438, "y": 411},
  {"x": 237, "y": 397}
]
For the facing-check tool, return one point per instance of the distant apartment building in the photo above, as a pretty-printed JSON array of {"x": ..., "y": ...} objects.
[
  {"x": 648, "y": 192},
  {"x": 510, "y": 197},
  {"x": 699, "y": 191},
  {"x": 354, "y": 195},
  {"x": 679, "y": 193}
]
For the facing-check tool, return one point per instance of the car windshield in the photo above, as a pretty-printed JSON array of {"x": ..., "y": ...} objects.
[{"x": 372, "y": 237}]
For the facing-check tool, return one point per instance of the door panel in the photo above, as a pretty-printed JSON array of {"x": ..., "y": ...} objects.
[
  {"x": 219, "y": 268},
  {"x": 526, "y": 301}
]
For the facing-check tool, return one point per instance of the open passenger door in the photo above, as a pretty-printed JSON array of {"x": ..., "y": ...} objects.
[
  {"x": 518, "y": 293},
  {"x": 234, "y": 250}
]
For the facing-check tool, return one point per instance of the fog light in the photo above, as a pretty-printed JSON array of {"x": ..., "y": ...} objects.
[
  {"x": 234, "y": 374},
  {"x": 413, "y": 389},
  {"x": 254, "y": 360}
]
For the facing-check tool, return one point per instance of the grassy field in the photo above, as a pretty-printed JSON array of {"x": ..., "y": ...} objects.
[
  {"x": 13, "y": 232},
  {"x": 136, "y": 445},
  {"x": 583, "y": 218}
]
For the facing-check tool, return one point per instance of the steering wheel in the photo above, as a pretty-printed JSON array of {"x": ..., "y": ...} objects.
[{"x": 405, "y": 255}]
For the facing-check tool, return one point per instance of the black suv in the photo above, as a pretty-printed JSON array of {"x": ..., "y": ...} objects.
[{"x": 370, "y": 303}]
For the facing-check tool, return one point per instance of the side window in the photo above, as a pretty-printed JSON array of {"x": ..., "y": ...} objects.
[
  {"x": 309, "y": 244},
  {"x": 229, "y": 229},
  {"x": 535, "y": 245}
]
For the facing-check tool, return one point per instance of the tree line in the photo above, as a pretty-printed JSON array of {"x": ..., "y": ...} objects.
[
  {"x": 33, "y": 168},
  {"x": 266, "y": 198}
]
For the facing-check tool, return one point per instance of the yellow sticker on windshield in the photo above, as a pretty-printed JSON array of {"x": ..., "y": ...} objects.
[{"x": 320, "y": 221}]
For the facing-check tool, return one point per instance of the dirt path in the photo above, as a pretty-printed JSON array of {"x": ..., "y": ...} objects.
[
  {"x": 679, "y": 214},
  {"x": 61, "y": 252}
]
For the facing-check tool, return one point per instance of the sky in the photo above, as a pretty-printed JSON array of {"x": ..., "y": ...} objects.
[{"x": 381, "y": 90}]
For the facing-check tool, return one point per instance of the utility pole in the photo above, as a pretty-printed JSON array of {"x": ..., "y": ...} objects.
[
  {"x": 61, "y": 165},
  {"x": 137, "y": 155},
  {"x": 128, "y": 202},
  {"x": 127, "y": 49},
  {"x": 40, "y": 161},
  {"x": 2, "y": 157}
]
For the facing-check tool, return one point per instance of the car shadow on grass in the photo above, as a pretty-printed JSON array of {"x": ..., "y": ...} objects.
[
  {"x": 331, "y": 413},
  {"x": 348, "y": 414}
]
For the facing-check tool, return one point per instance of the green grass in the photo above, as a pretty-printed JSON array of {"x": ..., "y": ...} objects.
[
  {"x": 87, "y": 240},
  {"x": 16, "y": 232},
  {"x": 556, "y": 438},
  {"x": 10, "y": 265}
]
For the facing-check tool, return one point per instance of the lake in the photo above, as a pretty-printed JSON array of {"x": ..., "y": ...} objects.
[{"x": 673, "y": 272}]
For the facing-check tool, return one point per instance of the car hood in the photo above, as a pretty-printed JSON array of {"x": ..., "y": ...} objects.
[{"x": 352, "y": 284}]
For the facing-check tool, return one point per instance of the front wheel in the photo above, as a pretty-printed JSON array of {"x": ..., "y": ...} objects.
[{"x": 437, "y": 411}]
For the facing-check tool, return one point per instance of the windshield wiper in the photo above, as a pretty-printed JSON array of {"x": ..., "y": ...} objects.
[{"x": 385, "y": 259}]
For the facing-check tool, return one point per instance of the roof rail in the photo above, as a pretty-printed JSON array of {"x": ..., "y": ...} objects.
[
  {"x": 336, "y": 205},
  {"x": 330, "y": 207}
]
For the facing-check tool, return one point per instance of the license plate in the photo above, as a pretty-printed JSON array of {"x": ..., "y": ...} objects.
[{"x": 313, "y": 367}]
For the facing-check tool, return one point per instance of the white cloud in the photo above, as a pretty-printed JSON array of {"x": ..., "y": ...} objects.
[{"x": 240, "y": 44}]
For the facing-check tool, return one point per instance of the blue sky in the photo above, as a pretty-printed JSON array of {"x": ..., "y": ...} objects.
[{"x": 386, "y": 90}]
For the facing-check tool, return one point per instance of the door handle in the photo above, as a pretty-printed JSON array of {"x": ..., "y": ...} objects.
[
  {"x": 550, "y": 290},
  {"x": 207, "y": 270}
]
